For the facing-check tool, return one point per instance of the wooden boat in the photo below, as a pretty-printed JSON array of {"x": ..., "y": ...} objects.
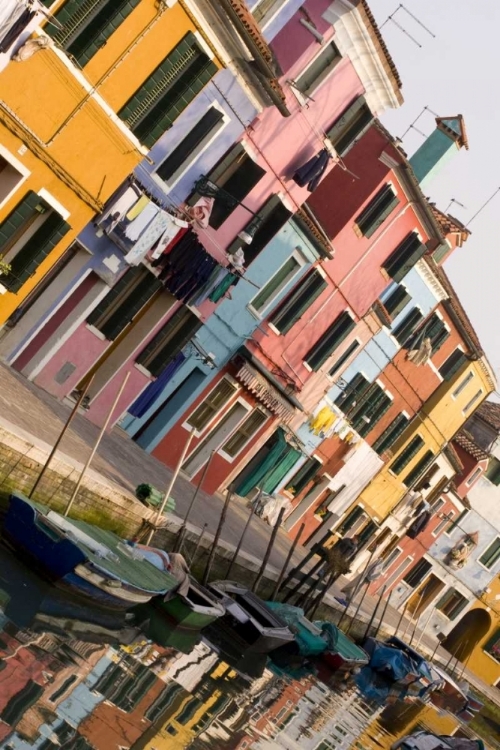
[
  {"x": 192, "y": 611},
  {"x": 95, "y": 563},
  {"x": 250, "y": 619}
]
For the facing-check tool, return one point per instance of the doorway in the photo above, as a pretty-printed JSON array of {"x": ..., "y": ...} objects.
[
  {"x": 467, "y": 633},
  {"x": 425, "y": 593}
]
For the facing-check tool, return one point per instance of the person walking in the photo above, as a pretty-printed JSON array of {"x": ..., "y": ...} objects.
[{"x": 372, "y": 573}]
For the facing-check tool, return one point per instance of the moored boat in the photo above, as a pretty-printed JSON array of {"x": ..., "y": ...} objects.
[
  {"x": 89, "y": 560},
  {"x": 192, "y": 610},
  {"x": 258, "y": 627}
]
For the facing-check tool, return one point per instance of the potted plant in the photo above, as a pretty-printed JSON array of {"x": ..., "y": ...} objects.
[{"x": 4, "y": 271}]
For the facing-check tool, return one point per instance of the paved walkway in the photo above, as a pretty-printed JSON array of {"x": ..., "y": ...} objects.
[{"x": 27, "y": 410}]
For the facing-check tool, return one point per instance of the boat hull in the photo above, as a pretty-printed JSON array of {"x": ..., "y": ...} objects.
[{"x": 194, "y": 611}]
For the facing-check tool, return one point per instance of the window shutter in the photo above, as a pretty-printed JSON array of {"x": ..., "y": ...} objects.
[
  {"x": 349, "y": 520},
  {"x": 453, "y": 364},
  {"x": 168, "y": 91},
  {"x": 404, "y": 257},
  {"x": 169, "y": 341},
  {"x": 35, "y": 250},
  {"x": 407, "y": 454},
  {"x": 330, "y": 340},
  {"x": 274, "y": 216},
  {"x": 397, "y": 301},
  {"x": 417, "y": 573},
  {"x": 106, "y": 302},
  {"x": 240, "y": 183},
  {"x": 21, "y": 214},
  {"x": 300, "y": 299},
  {"x": 304, "y": 475},
  {"x": 391, "y": 434},
  {"x": 419, "y": 469},
  {"x": 351, "y": 123},
  {"x": 88, "y": 25},
  {"x": 377, "y": 211},
  {"x": 377, "y": 403},
  {"x": 193, "y": 139},
  {"x": 146, "y": 288},
  {"x": 355, "y": 389},
  {"x": 407, "y": 327},
  {"x": 344, "y": 357},
  {"x": 318, "y": 70}
]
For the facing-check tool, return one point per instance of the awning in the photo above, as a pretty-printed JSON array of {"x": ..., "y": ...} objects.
[{"x": 265, "y": 392}]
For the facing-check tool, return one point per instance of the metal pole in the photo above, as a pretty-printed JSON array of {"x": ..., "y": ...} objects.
[
  {"x": 63, "y": 432},
  {"x": 424, "y": 628},
  {"x": 357, "y": 588},
  {"x": 306, "y": 558},
  {"x": 240, "y": 541},
  {"x": 170, "y": 486},
  {"x": 401, "y": 619},
  {"x": 353, "y": 619},
  {"x": 197, "y": 545},
  {"x": 383, "y": 614},
  {"x": 413, "y": 615},
  {"x": 287, "y": 561},
  {"x": 302, "y": 581},
  {"x": 268, "y": 550},
  {"x": 415, "y": 629},
  {"x": 222, "y": 519},
  {"x": 180, "y": 534},
  {"x": 374, "y": 614},
  {"x": 316, "y": 602},
  {"x": 97, "y": 443}
]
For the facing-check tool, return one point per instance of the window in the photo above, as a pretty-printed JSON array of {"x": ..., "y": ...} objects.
[
  {"x": 463, "y": 384},
  {"x": 352, "y": 393},
  {"x": 27, "y": 236},
  {"x": 63, "y": 688},
  {"x": 417, "y": 574},
  {"x": 404, "y": 257},
  {"x": 456, "y": 523},
  {"x": 213, "y": 403},
  {"x": 406, "y": 455},
  {"x": 10, "y": 178},
  {"x": 168, "y": 91},
  {"x": 443, "y": 524},
  {"x": 391, "y": 434},
  {"x": 365, "y": 534},
  {"x": 194, "y": 140},
  {"x": 124, "y": 301},
  {"x": 397, "y": 573},
  {"x": 376, "y": 212},
  {"x": 356, "y": 516},
  {"x": 350, "y": 125},
  {"x": 278, "y": 282},
  {"x": 169, "y": 341},
  {"x": 88, "y": 24},
  {"x": 468, "y": 406},
  {"x": 264, "y": 227},
  {"x": 451, "y": 604},
  {"x": 298, "y": 301},
  {"x": 407, "y": 327},
  {"x": 491, "y": 555},
  {"x": 244, "y": 432},
  {"x": 475, "y": 475},
  {"x": 434, "y": 329},
  {"x": 453, "y": 364},
  {"x": 319, "y": 69},
  {"x": 344, "y": 357},
  {"x": 303, "y": 476},
  {"x": 374, "y": 404},
  {"x": 329, "y": 341},
  {"x": 391, "y": 558},
  {"x": 397, "y": 301},
  {"x": 492, "y": 473},
  {"x": 419, "y": 469}
]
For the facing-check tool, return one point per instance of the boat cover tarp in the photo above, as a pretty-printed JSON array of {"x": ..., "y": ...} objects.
[{"x": 310, "y": 643}]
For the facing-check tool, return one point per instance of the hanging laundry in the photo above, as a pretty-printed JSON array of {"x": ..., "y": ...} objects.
[
  {"x": 139, "y": 206},
  {"x": 117, "y": 210},
  {"x": 312, "y": 171},
  {"x": 323, "y": 421},
  {"x": 186, "y": 268},
  {"x": 419, "y": 524},
  {"x": 237, "y": 260},
  {"x": 201, "y": 211},
  {"x": 151, "y": 234},
  {"x": 210, "y": 285},
  {"x": 140, "y": 223},
  {"x": 14, "y": 24},
  {"x": 231, "y": 279},
  {"x": 170, "y": 246},
  {"x": 153, "y": 390},
  {"x": 172, "y": 229}
]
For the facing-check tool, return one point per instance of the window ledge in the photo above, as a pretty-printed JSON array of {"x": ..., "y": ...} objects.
[
  {"x": 97, "y": 333},
  {"x": 143, "y": 370}
]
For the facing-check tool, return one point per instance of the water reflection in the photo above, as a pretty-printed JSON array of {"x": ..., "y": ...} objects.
[{"x": 78, "y": 677}]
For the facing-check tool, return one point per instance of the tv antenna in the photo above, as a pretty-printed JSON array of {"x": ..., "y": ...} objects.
[{"x": 396, "y": 23}]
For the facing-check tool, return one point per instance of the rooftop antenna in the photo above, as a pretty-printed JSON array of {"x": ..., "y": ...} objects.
[
  {"x": 454, "y": 200},
  {"x": 412, "y": 125},
  {"x": 483, "y": 206},
  {"x": 391, "y": 18}
]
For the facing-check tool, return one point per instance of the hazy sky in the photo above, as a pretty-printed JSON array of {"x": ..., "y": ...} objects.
[{"x": 456, "y": 73}]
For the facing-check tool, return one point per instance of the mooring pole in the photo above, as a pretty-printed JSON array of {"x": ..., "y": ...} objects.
[
  {"x": 400, "y": 619},
  {"x": 316, "y": 602},
  {"x": 52, "y": 453},
  {"x": 240, "y": 541},
  {"x": 306, "y": 558},
  {"x": 213, "y": 549},
  {"x": 357, "y": 588},
  {"x": 374, "y": 614},
  {"x": 287, "y": 561},
  {"x": 386, "y": 604},
  {"x": 180, "y": 534},
  {"x": 96, "y": 444},
  {"x": 197, "y": 545},
  {"x": 268, "y": 550}
]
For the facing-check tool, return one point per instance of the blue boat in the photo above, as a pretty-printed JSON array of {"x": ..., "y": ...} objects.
[{"x": 95, "y": 563}]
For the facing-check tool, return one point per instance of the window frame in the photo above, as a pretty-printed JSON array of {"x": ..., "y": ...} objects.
[
  {"x": 460, "y": 361},
  {"x": 367, "y": 215},
  {"x": 357, "y": 106},
  {"x": 407, "y": 459},
  {"x": 343, "y": 359},
  {"x": 496, "y": 541},
  {"x": 451, "y": 591},
  {"x": 315, "y": 351},
  {"x": 232, "y": 457},
  {"x": 468, "y": 406},
  {"x": 389, "y": 430},
  {"x": 475, "y": 475},
  {"x": 419, "y": 469},
  {"x": 455, "y": 523},
  {"x": 18, "y": 167},
  {"x": 399, "y": 264},
  {"x": 463, "y": 384},
  {"x": 323, "y": 76},
  {"x": 211, "y": 421},
  {"x": 261, "y": 313},
  {"x": 294, "y": 297}
]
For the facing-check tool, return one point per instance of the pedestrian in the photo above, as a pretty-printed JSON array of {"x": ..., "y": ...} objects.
[
  {"x": 372, "y": 572},
  {"x": 339, "y": 557}
]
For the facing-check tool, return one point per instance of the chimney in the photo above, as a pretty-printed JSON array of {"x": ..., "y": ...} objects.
[{"x": 448, "y": 137}]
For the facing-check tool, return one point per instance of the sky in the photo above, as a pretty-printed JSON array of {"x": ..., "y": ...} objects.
[{"x": 457, "y": 72}]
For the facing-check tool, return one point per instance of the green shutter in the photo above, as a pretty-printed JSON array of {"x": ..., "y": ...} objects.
[
  {"x": 20, "y": 215},
  {"x": 453, "y": 364},
  {"x": 298, "y": 301},
  {"x": 169, "y": 341},
  {"x": 419, "y": 469},
  {"x": 375, "y": 404},
  {"x": 404, "y": 257},
  {"x": 272, "y": 215},
  {"x": 181, "y": 154},
  {"x": 331, "y": 339},
  {"x": 441, "y": 252},
  {"x": 146, "y": 288},
  {"x": 406, "y": 455},
  {"x": 168, "y": 91},
  {"x": 397, "y": 301},
  {"x": 88, "y": 24},
  {"x": 351, "y": 123},
  {"x": 407, "y": 327},
  {"x": 391, "y": 434},
  {"x": 344, "y": 357},
  {"x": 354, "y": 390},
  {"x": 35, "y": 250},
  {"x": 119, "y": 288},
  {"x": 376, "y": 212}
]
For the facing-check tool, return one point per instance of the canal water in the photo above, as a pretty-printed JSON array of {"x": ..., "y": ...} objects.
[{"x": 68, "y": 682}]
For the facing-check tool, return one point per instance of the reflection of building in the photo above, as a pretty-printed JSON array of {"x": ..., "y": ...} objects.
[{"x": 396, "y": 722}]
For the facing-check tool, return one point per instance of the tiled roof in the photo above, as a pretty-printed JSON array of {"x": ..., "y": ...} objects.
[
  {"x": 465, "y": 440},
  {"x": 378, "y": 39},
  {"x": 253, "y": 29},
  {"x": 449, "y": 224},
  {"x": 453, "y": 458},
  {"x": 454, "y": 126},
  {"x": 490, "y": 412}
]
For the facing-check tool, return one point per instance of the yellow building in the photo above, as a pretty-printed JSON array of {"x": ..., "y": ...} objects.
[
  {"x": 79, "y": 114},
  {"x": 402, "y": 719}
]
